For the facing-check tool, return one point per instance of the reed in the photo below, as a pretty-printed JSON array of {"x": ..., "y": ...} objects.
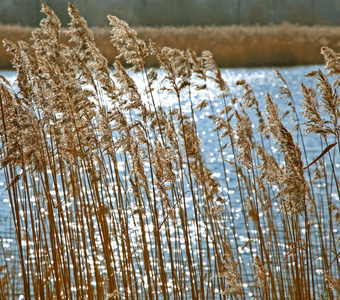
[{"x": 111, "y": 194}]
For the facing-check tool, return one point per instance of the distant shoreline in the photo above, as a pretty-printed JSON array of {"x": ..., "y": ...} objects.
[{"x": 232, "y": 46}]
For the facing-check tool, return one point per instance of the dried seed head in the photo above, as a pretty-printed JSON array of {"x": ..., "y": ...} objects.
[
  {"x": 243, "y": 142},
  {"x": 315, "y": 123},
  {"x": 332, "y": 62},
  {"x": 132, "y": 49},
  {"x": 294, "y": 193},
  {"x": 230, "y": 272},
  {"x": 260, "y": 273},
  {"x": 334, "y": 284},
  {"x": 210, "y": 65}
]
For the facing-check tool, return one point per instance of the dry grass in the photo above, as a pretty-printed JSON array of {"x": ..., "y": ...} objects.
[
  {"x": 111, "y": 196},
  {"x": 232, "y": 46}
]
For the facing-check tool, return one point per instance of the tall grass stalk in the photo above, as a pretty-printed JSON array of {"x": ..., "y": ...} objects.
[{"x": 111, "y": 194}]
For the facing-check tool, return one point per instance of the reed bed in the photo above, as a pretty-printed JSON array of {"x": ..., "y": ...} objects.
[
  {"x": 232, "y": 46},
  {"x": 111, "y": 194}
]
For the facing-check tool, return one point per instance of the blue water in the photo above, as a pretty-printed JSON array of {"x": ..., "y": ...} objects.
[{"x": 262, "y": 81}]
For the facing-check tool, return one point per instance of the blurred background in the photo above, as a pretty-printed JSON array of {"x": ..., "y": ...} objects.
[
  {"x": 179, "y": 12},
  {"x": 239, "y": 33}
]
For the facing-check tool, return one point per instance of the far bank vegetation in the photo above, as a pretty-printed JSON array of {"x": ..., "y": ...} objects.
[{"x": 232, "y": 46}]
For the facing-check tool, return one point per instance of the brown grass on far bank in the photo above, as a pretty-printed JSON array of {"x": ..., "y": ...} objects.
[{"x": 232, "y": 46}]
